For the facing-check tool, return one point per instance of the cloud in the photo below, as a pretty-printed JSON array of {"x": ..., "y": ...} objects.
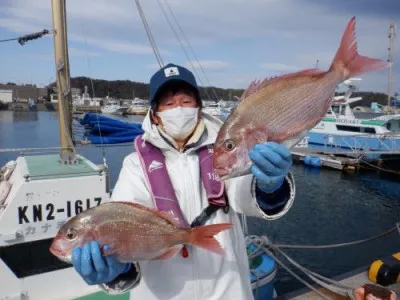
[
  {"x": 81, "y": 52},
  {"x": 215, "y": 65},
  {"x": 279, "y": 67},
  {"x": 72, "y": 51}
]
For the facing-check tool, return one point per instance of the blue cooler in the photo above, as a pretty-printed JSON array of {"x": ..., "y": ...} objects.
[{"x": 263, "y": 271}]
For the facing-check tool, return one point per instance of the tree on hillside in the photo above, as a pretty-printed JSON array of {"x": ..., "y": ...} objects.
[{"x": 126, "y": 89}]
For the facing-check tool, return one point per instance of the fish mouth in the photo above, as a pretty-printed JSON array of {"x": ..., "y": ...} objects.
[
  {"x": 60, "y": 254},
  {"x": 234, "y": 173}
]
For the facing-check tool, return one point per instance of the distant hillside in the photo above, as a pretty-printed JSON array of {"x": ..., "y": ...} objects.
[{"x": 126, "y": 89}]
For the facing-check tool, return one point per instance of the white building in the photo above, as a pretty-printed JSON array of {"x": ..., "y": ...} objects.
[{"x": 6, "y": 96}]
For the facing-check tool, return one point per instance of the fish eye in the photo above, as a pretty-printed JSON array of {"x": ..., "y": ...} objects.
[
  {"x": 229, "y": 145},
  {"x": 71, "y": 233}
]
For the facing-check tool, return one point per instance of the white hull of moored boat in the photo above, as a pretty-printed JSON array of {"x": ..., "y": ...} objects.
[{"x": 114, "y": 110}]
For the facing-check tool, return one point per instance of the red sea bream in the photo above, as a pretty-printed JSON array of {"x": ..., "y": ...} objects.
[
  {"x": 134, "y": 233},
  {"x": 284, "y": 108}
]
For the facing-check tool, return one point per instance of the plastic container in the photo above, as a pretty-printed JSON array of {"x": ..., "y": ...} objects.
[{"x": 262, "y": 276}]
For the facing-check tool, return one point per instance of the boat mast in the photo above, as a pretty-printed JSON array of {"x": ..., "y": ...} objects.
[
  {"x": 67, "y": 154},
  {"x": 390, "y": 60}
]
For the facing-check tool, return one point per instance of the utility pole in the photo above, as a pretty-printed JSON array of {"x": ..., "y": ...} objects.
[{"x": 67, "y": 154}]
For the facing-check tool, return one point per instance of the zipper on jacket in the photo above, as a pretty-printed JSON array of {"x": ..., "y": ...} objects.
[{"x": 188, "y": 183}]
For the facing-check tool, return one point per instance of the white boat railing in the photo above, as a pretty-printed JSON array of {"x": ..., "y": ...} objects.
[{"x": 360, "y": 144}]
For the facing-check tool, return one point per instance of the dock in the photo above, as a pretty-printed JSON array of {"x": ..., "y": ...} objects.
[
  {"x": 351, "y": 160},
  {"x": 328, "y": 160}
]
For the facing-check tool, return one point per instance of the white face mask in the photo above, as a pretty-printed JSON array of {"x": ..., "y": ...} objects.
[{"x": 179, "y": 122}]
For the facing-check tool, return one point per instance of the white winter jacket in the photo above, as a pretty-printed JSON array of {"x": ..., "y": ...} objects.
[{"x": 203, "y": 275}]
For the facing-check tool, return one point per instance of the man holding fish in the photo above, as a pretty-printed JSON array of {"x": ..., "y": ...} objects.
[{"x": 166, "y": 248}]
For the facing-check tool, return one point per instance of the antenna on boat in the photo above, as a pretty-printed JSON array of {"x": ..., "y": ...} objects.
[
  {"x": 390, "y": 60},
  {"x": 68, "y": 153}
]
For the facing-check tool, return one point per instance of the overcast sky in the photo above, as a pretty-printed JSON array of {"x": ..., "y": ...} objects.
[{"x": 236, "y": 41}]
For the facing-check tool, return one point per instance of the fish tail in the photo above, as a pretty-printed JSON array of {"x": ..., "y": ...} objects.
[
  {"x": 347, "y": 59},
  {"x": 204, "y": 237}
]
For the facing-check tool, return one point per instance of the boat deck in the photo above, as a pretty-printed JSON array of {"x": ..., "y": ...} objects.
[
  {"x": 48, "y": 166},
  {"x": 355, "y": 278}
]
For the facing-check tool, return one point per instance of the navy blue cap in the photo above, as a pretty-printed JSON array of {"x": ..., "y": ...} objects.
[{"x": 167, "y": 74}]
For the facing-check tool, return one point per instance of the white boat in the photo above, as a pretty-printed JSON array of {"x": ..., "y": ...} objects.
[
  {"x": 341, "y": 129},
  {"x": 212, "y": 108},
  {"x": 138, "y": 107},
  {"x": 114, "y": 109}
]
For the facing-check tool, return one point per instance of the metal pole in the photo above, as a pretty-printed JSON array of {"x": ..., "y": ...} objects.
[
  {"x": 67, "y": 154},
  {"x": 390, "y": 59}
]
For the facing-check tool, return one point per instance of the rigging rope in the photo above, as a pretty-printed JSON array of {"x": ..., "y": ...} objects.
[
  {"x": 149, "y": 35},
  {"x": 340, "y": 244},
  {"x": 191, "y": 49},
  {"x": 183, "y": 48},
  {"x": 103, "y": 150}
]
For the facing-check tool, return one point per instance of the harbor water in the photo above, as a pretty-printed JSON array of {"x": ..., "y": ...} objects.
[{"x": 330, "y": 206}]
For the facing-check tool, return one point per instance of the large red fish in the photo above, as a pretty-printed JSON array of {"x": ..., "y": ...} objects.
[
  {"x": 283, "y": 109},
  {"x": 134, "y": 233}
]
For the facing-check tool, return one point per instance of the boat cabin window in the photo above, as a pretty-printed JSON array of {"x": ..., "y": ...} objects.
[
  {"x": 369, "y": 130},
  {"x": 356, "y": 129},
  {"x": 335, "y": 109},
  {"x": 31, "y": 258},
  {"x": 348, "y": 128}
]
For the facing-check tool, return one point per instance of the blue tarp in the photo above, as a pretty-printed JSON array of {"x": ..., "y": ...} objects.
[
  {"x": 396, "y": 102},
  {"x": 104, "y": 130}
]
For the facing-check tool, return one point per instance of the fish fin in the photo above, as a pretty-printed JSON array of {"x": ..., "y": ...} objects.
[
  {"x": 257, "y": 85},
  {"x": 294, "y": 140},
  {"x": 348, "y": 58},
  {"x": 171, "y": 252},
  {"x": 260, "y": 136},
  {"x": 250, "y": 89},
  {"x": 204, "y": 237},
  {"x": 291, "y": 138},
  {"x": 167, "y": 216}
]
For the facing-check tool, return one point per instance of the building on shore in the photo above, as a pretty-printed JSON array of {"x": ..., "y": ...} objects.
[
  {"x": 22, "y": 93},
  {"x": 6, "y": 96}
]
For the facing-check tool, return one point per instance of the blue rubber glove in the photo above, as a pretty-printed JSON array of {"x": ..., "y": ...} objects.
[
  {"x": 94, "y": 267},
  {"x": 271, "y": 163}
]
